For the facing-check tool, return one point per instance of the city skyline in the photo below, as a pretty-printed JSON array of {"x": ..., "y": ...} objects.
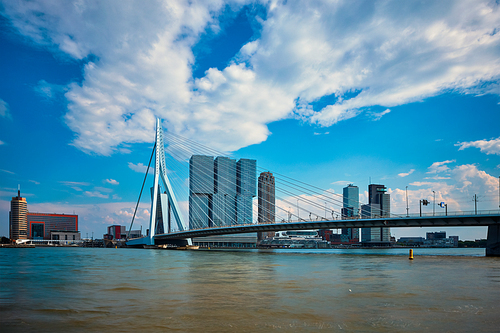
[{"x": 400, "y": 94}]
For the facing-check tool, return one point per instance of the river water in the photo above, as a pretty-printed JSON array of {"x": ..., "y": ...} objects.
[{"x": 132, "y": 290}]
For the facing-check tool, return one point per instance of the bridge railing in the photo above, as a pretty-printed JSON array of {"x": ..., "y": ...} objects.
[{"x": 398, "y": 216}]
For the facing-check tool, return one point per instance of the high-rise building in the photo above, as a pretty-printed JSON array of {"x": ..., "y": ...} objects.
[
  {"x": 18, "y": 222},
  {"x": 220, "y": 191},
  {"x": 266, "y": 202},
  {"x": 201, "y": 191},
  {"x": 379, "y": 205},
  {"x": 350, "y": 209},
  {"x": 246, "y": 171}
]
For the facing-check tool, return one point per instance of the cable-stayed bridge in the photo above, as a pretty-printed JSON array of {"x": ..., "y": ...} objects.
[{"x": 294, "y": 205}]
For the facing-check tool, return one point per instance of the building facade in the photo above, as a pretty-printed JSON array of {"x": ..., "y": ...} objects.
[
  {"x": 379, "y": 205},
  {"x": 18, "y": 222},
  {"x": 266, "y": 208},
  {"x": 221, "y": 191},
  {"x": 40, "y": 225},
  {"x": 350, "y": 209}
]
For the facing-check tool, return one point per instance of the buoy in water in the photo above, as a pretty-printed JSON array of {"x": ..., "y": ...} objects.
[{"x": 411, "y": 254}]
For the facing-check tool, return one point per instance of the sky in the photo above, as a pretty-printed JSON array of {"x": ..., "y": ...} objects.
[{"x": 400, "y": 93}]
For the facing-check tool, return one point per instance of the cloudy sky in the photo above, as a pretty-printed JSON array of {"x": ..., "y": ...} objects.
[{"x": 402, "y": 93}]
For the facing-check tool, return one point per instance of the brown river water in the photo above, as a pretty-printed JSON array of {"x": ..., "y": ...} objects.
[{"x": 131, "y": 290}]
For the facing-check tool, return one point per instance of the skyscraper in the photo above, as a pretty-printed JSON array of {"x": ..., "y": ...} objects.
[
  {"x": 379, "y": 205},
  {"x": 18, "y": 221},
  {"x": 220, "y": 191},
  {"x": 266, "y": 202},
  {"x": 246, "y": 171},
  {"x": 201, "y": 191},
  {"x": 350, "y": 209}
]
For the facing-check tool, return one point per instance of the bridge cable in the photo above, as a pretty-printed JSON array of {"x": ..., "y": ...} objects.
[{"x": 138, "y": 200}]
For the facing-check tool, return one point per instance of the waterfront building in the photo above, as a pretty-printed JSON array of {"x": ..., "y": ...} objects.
[
  {"x": 42, "y": 225},
  {"x": 65, "y": 235},
  {"x": 435, "y": 235},
  {"x": 221, "y": 191},
  {"x": 121, "y": 232},
  {"x": 350, "y": 209},
  {"x": 379, "y": 205},
  {"x": 266, "y": 202},
  {"x": 18, "y": 222}
]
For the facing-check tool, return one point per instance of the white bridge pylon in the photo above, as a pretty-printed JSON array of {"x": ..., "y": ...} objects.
[{"x": 163, "y": 203}]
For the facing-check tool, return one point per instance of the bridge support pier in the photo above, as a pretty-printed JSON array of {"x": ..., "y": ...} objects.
[{"x": 493, "y": 241}]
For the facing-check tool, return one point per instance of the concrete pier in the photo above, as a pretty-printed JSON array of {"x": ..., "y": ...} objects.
[{"x": 493, "y": 241}]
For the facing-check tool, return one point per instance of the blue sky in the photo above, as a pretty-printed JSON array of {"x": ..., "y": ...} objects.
[{"x": 404, "y": 94}]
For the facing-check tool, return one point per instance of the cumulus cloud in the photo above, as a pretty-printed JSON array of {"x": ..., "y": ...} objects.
[
  {"x": 138, "y": 63},
  {"x": 440, "y": 166},
  {"x": 490, "y": 147},
  {"x": 112, "y": 181},
  {"x": 139, "y": 167},
  {"x": 404, "y": 174}
]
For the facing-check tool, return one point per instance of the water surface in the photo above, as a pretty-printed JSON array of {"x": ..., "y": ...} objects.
[{"x": 131, "y": 290}]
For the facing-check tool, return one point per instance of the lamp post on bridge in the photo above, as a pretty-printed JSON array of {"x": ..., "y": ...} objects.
[
  {"x": 407, "y": 209},
  {"x": 445, "y": 206},
  {"x": 434, "y": 204}
]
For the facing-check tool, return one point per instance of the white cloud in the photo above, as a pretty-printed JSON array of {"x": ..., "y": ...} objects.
[
  {"x": 70, "y": 183},
  {"x": 141, "y": 168},
  {"x": 96, "y": 194},
  {"x": 436, "y": 177},
  {"x": 489, "y": 147},
  {"x": 404, "y": 174},
  {"x": 1, "y": 142},
  {"x": 386, "y": 54},
  {"x": 4, "y": 109},
  {"x": 376, "y": 116},
  {"x": 7, "y": 171},
  {"x": 440, "y": 166},
  {"x": 112, "y": 181},
  {"x": 35, "y": 182}
]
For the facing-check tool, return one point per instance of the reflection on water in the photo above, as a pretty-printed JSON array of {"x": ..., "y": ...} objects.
[{"x": 80, "y": 289}]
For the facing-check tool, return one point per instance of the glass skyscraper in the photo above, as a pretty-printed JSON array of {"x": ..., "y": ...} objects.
[
  {"x": 220, "y": 191},
  {"x": 379, "y": 205},
  {"x": 350, "y": 209}
]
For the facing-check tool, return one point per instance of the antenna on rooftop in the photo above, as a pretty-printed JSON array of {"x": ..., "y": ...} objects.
[{"x": 19, "y": 190}]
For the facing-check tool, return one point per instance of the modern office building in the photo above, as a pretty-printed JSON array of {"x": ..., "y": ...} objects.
[
  {"x": 350, "y": 209},
  {"x": 18, "y": 222},
  {"x": 201, "y": 191},
  {"x": 266, "y": 202},
  {"x": 379, "y": 205},
  {"x": 41, "y": 225},
  {"x": 220, "y": 191},
  {"x": 246, "y": 172}
]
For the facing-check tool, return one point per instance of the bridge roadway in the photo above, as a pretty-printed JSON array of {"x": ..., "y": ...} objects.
[{"x": 492, "y": 221}]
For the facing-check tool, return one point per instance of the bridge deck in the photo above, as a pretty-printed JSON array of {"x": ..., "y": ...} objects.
[{"x": 433, "y": 221}]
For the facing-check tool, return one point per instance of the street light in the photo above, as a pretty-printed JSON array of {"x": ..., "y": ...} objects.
[
  {"x": 445, "y": 206},
  {"x": 407, "y": 209},
  {"x": 434, "y": 204}
]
